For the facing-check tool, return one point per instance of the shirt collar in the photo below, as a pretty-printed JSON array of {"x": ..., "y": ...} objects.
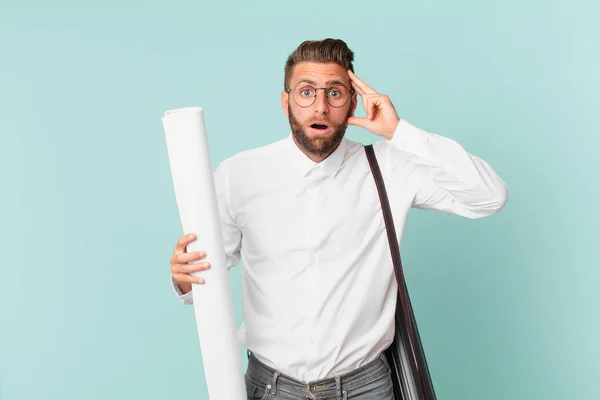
[{"x": 331, "y": 165}]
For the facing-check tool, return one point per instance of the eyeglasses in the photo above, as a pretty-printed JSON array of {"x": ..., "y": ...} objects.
[{"x": 305, "y": 95}]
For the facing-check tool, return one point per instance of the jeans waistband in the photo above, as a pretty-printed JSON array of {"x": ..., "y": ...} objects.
[{"x": 262, "y": 375}]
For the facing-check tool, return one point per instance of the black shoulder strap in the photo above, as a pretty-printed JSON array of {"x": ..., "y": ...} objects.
[
  {"x": 413, "y": 374},
  {"x": 387, "y": 212}
]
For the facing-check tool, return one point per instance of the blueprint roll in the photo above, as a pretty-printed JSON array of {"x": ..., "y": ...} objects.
[{"x": 191, "y": 169}]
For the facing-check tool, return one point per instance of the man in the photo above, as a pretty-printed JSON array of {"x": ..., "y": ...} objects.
[{"x": 303, "y": 215}]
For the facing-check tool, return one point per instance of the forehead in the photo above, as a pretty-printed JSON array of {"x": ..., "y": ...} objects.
[{"x": 320, "y": 73}]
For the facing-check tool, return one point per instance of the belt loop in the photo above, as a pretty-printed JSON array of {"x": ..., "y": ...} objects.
[
  {"x": 274, "y": 385},
  {"x": 338, "y": 387}
]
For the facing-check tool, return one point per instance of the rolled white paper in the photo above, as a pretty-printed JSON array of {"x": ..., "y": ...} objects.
[{"x": 191, "y": 169}]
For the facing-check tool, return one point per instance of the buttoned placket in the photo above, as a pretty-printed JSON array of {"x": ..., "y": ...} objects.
[{"x": 314, "y": 177}]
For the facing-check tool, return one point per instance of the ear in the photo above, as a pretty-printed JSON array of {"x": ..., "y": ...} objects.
[
  {"x": 284, "y": 103},
  {"x": 354, "y": 103}
]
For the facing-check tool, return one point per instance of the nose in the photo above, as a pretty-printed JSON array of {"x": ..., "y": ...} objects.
[{"x": 321, "y": 105}]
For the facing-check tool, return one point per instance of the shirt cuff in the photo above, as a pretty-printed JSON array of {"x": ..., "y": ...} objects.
[
  {"x": 415, "y": 141},
  {"x": 186, "y": 298}
]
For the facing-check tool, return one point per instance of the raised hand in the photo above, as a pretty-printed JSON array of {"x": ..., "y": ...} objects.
[{"x": 381, "y": 117}]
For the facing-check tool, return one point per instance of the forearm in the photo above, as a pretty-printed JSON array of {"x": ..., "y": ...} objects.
[{"x": 449, "y": 179}]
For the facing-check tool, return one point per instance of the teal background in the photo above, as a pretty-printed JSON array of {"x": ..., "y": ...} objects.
[{"x": 507, "y": 306}]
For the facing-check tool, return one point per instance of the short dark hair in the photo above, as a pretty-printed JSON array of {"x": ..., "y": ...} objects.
[{"x": 321, "y": 51}]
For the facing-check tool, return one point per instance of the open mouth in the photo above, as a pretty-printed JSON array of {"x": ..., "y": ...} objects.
[{"x": 320, "y": 128}]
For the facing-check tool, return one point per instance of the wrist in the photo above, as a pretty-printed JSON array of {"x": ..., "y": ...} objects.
[
  {"x": 390, "y": 135},
  {"x": 184, "y": 287}
]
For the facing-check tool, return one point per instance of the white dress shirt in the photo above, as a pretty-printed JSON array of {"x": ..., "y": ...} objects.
[{"x": 318, "y": 286}]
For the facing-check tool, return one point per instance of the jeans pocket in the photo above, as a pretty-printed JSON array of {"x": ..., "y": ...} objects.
[
  {"x": 250, "y": 388},
  {"x": 256, "y": 392},
  {"x": 378, "y": 386}
]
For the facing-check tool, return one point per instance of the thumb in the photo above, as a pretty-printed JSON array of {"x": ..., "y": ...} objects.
[{"x": 362, "y": 122}]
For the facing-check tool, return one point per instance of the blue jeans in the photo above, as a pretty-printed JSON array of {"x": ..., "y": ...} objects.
[{"x": 372, "y": 381}]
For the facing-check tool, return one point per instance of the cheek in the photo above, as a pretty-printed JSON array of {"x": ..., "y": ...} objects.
[
  {"x": 341, "y": 115},
  {"x": 300, "y": 114}
]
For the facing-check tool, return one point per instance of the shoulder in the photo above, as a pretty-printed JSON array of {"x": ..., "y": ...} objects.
[
  {"x": 251, "y": 159},
  {"x": 384, "y": 151},
  {"x": 353, "y": 147},
  {"x": 397, "y": 163},
  {"x": 259, "y": 153}
]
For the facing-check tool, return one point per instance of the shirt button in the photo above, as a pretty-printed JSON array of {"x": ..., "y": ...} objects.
[{"x": 312, "y": 260}]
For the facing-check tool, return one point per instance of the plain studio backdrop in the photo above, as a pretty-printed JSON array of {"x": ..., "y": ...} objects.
[{"x": 507, "y": 306}]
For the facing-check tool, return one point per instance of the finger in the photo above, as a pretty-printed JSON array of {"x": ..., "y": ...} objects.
[
  {"x": 358, "y": 89},
  {"x": 368, "y": 104},
  {"x": 181, "y": 246},
  {"x": 189, "y": 268},
  {"x": 362, "y": 122},
  {"x": 185, "y": 278},
  {"x": 183, "y": 258},
  {"x": 362, "y": 84},
  {"x": 370, "y": 108},
  {"x": 375, "y": 103},
  {"x": 363, "y": 97}
]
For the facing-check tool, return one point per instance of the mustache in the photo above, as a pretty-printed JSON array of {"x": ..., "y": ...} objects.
[{"x": 320, "y": 120}]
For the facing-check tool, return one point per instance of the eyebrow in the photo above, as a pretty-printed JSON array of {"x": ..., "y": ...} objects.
[{"x": 328, "y": 83}]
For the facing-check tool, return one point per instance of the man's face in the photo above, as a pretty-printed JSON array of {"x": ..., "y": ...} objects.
[{"x": 320, "y": 127}]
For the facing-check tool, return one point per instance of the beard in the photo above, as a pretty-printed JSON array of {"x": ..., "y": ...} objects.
[{"x": 318, "y": 145}]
